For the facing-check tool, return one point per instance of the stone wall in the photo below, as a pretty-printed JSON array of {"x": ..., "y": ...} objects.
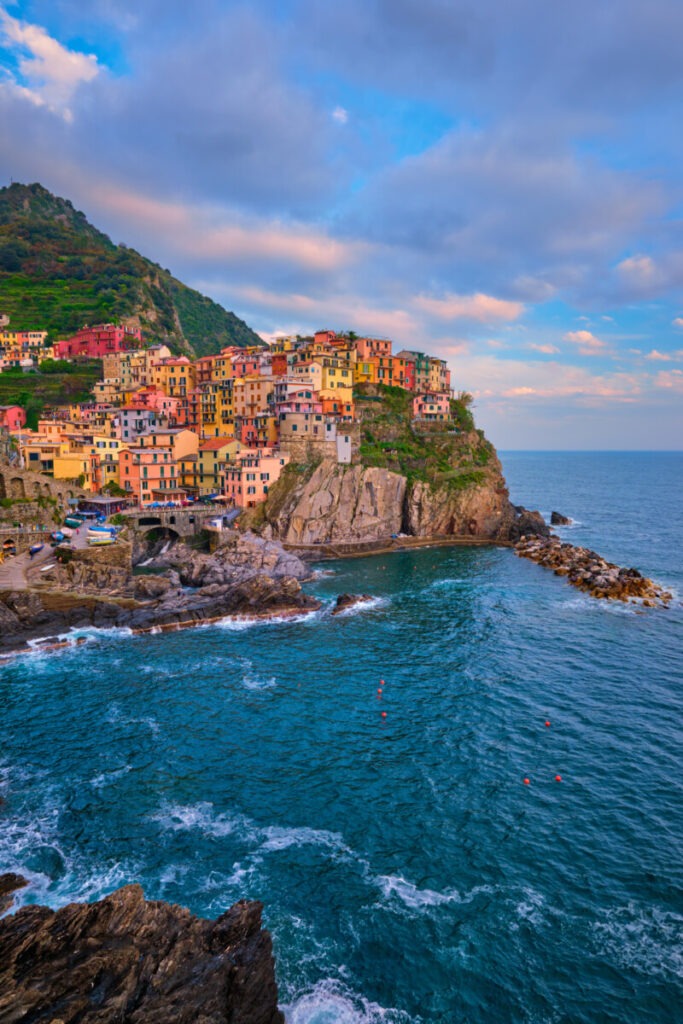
[{"x": 24, "y": 483}]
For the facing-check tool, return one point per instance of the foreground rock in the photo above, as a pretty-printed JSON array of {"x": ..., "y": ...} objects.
[
  {"x": 346, "y": 601},
  {"x": 125, "y": 959},
  {"x": 588, "y": 571}
]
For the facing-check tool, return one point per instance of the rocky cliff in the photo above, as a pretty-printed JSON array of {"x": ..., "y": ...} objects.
[
  {"x": 125, "y": 959},
  {"x": 331, "y": 503}
]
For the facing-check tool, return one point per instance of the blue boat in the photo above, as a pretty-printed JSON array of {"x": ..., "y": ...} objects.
[{"x": 35, "y": 548}]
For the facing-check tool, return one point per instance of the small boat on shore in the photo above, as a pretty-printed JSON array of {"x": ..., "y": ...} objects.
[
  {"x": 35, "y": 548},
  {"x": 100, "y": 539}
]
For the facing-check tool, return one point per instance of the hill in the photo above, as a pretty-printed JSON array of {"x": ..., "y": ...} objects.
[{"x": 58, "y": 272}]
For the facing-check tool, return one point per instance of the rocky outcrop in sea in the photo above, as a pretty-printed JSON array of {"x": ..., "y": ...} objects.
[
  {"x": 127, "y": 959},
  {"x": 586, "y": 570}
]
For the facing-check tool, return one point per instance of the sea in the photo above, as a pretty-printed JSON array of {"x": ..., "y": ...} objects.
[{"x": 363, "y": 775}]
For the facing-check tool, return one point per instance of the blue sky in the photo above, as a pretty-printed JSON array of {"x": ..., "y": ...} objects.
[{"x": 497, "y": 182}]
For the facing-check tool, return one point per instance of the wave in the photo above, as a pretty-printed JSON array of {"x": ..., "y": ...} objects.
[
  {"x": 277, "y": 837},
  {"x": 201, "y": 816},
  {"x": 107, "y": 778},
  {"x": 115, "y": 716},
  {"x": 238, "y": 623},
  {"x": 251, "y": 681},
  {"x": 363, "y": 606},
  {"x": 643, "y": 939},
  {"x": 412, "y": 896},
  {"x": 332, "y": 1002}
]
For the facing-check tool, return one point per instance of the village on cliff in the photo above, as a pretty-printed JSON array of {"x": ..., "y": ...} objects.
[{"x": 164, "y": 429}]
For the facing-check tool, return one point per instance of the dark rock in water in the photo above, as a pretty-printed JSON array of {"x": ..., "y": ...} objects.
[
  {"x": 345, "y": 601},
  {"x": 526, "y": 523},
  {"x": 557, "y": 519},
  {"x": 9, "y": 884},
  {"x": 126, "y": 959}
]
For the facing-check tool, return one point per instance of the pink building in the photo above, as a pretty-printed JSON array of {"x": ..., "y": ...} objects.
[
  {"x": 431, "y": 406},
  {"x": 12, "y": 417},
  {"x": 248, "y": 478},
  {"x": 96, "y": 342},
  {"x": 367, "y": 347}
]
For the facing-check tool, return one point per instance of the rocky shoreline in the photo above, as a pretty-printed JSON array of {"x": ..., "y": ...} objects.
[
  {"x": 248, "y": 577},
  {"x": 591, "y": 573},
  {"x": 125, "y": 958}
]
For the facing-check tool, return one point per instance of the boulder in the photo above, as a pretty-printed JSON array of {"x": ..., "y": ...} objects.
[
  {"x": 346, "y": 601},
  {"x": 9, "y": 884},
  {"x": 557, "y": 519}
]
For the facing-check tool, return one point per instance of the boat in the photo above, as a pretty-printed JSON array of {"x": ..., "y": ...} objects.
[
  {"x": 100, "y": 539},
  {"x": 35, "y": 548},
  {"x": 102, "y": 529},
  {"x": 73, "y": 522}
]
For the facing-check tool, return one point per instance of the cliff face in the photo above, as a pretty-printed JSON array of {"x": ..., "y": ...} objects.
[
  {"x": 360, "y": 504},
  {"x": 126, "y": 959},
  {"x": 337, "y": 503}
]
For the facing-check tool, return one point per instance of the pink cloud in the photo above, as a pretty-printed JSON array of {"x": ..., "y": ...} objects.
[
  {"x": 588, "y": 344},
  {"x": 198, "y": 232},
  {"x": 548, "y": 350},
  {"x": 670, "y": 379},
  {"x": 479, "y": 307}
]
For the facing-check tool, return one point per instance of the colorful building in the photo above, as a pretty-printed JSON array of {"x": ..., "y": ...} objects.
[
  {"x": 250, "y": 475},
  {"x": 12, "y": 417},
  {"x": 98, "y": 341},
  {"x": 432, "y": 407}
]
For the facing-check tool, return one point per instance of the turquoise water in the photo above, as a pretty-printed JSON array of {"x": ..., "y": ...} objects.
[{"x": 408, "y": 873}]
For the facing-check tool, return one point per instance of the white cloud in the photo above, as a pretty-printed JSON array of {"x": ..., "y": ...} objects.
[
  {"x": 479, "y": 307},
  {"x": 340, "y": 115},
  {"x": 678, "y": 322},
  {"x": 52, "y": 73}
]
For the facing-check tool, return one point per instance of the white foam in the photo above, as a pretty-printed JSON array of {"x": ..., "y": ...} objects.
[
  {"x": 238, "y": 623},
  {"x": 363, "y": 606},
  {"x": 412, "y": 896},
  {"x": 251, "y": 681},
  {"x": 109, "y": 777},
  {"x": 201, "y": 816},
  {"x": 332, "y": 1002},
  {"x": 645, "y": 939},
  {"x": 277, "y": 837}
]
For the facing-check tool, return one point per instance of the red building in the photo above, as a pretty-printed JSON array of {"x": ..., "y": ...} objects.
[
  {"x": 12, "y": 417},
  {"x": 98, "y": 341}
]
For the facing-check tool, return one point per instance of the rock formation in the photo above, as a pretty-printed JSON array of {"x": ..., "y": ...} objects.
[
  {"x": 346, "y": 601},
  {"x": 9, "y": 884},
  {"x": 588, "y": 571},
  {"x": 248, "y": 576},
  {"x": 360, "y": 504},
  {"x": 128, "y": 960},
  {"x": 557, "y": 519}
]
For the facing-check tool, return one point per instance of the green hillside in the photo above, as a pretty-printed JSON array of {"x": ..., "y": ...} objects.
[
  {"x": 58, "y": 272},
  {"x": 34, "y": 391}
]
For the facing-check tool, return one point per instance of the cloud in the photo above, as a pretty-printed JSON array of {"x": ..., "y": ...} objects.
[
  {"x": 588, "y": 344},
  {"x": 547, "y": 350},
  {"x": 670, "y": 380},
  {"x": 678, "y": 322},
  {"x": 665, "y": 357},
  {"x": 52, "y": 72},
  {"x": 640, "y": 270},
  {"x": 340, "y": 115},
  {"x": 479, "y": 307}
]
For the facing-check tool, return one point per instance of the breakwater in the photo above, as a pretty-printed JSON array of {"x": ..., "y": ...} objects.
[{"x": 588, "y": 571}]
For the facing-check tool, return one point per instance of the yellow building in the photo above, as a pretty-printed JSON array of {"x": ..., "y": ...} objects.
[
  {"x": 251, "y": 394},
  {"x": 201, "y": 474},
  {"x": 176, "y": 376}
]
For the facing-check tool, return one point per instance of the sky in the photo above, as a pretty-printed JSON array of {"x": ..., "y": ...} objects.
[{"x": 497, "y": 182}]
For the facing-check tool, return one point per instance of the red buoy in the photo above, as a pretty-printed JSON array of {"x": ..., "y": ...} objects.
[
  {"x": 547, "y": 725},
  {"x": 380, "y": 691},
  {"x": 381, "y": 682},
  {"x": 558, "y": 778},
  {"x": 526, "y": 782},
  {"x": 384, "y": 714}
]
